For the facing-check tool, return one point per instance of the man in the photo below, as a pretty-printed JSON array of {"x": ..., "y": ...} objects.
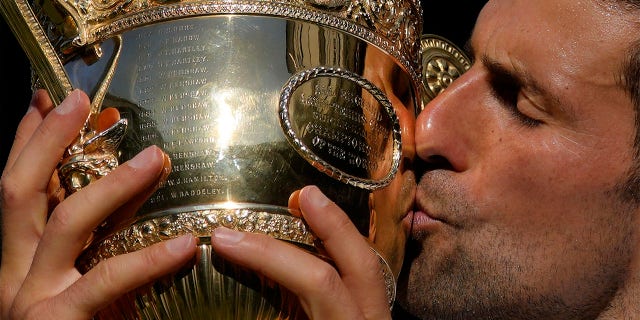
[{"x": 527, "y": 206}]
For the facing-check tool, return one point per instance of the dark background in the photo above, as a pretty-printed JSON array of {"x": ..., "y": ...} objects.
[{"x": 452, "y": 19}]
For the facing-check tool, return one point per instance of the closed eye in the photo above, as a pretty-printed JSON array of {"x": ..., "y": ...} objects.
[{"x": 507, "y": 88}]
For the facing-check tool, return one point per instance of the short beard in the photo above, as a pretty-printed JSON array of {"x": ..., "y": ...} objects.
[
  {"x": 464, "y": 286},
  {"x": 490, "y": 297}
]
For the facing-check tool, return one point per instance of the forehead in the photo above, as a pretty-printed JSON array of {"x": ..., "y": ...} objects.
[
  {"x": 557, "y": 42},
  {"x": 572, "y": 35}
]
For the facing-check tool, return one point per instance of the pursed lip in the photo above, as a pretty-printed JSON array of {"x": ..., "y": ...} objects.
[{"x": 424, "y": 220}]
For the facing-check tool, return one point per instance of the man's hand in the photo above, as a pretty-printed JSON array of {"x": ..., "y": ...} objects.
[
  {"x": 43, "y": 233},
  {"x": 354, "y": 289}
]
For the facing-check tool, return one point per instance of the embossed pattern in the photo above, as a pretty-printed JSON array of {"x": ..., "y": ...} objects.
[
  {"x": 395, "y": 26},
  {"x": 200, "y": 223}
]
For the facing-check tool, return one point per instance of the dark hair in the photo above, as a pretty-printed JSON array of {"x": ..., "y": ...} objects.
[
  {"x": 630, "y": 80},
  {"x": 631, "y": 68}
]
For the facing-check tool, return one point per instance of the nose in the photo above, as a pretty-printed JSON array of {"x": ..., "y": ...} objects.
[{"x": 448, "y": 127}]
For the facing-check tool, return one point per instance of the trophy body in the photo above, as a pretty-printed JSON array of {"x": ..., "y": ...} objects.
[
  {"x": 251, "y": 100},
  {"x": 248, "y": 111}
]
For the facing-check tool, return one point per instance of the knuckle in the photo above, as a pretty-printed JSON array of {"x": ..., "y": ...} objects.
[
  {"x": 61, "y": 217},
  {"x": 10, "y": 191},
  {"x": 153, "y": 255},
  {"x": 325, "y": 277},
  {"x": 340, "y": 227},
  {"x": 343, "y": 224},
  {"x": 45, "y": 309},
  {"x": 22, "y": 132},
  {"x": 47, "y": 129},
  {"x": 34, "y": 312},
  {"x": 106, "y": 276},
  {"x": 25, "y": 309},
  {"x": 153, "y": 258}
]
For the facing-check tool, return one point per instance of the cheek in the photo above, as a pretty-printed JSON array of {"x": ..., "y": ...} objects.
[
  {"x": 545, "y": 182},
  {"x": 539, "y": 205}
]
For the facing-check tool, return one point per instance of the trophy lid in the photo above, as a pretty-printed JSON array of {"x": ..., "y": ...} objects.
[{"x": 73, "y": 26}]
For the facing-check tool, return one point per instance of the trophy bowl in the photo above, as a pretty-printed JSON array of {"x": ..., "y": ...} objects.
[{"x": 251, "y": 100}]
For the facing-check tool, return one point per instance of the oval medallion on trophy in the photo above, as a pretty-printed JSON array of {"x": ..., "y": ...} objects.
[{"x": 343, "y": 125}]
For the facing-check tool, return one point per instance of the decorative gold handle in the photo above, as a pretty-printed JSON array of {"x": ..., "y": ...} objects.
[
  {"x": 41, "y": 53},
  {"x": 93, "y": 154},
  {"x": 442, "y": 63}
]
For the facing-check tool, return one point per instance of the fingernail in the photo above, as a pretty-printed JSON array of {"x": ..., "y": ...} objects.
[
  {"x": 166, "y": 167},
  {"x": 181, "y": 243},
  {"x": 227, "y": 236},
  {"x": 144, "y": 157},
  {"x": 315, "y": 197},
  {"x": 69, "y": 104}
]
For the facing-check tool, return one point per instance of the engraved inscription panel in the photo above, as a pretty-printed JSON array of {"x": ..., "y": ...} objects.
[
  {"x": 207, "y": 90},
  {"x": 343, "y": 125},
  {"x": 200, "y": 92}
]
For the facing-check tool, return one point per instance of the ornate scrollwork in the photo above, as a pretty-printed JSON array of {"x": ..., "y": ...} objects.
[
  {"x": 393, "y": 19},
  {"x": 395, "y": 26},
  {"x": 442, "y": 63},
  {"x": 93, "y": 159},
  {"x": 200, "y": 223}
]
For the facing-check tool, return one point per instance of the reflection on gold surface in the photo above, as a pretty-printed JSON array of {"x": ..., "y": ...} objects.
[
  {"x": 248, "y": 114},
  {"x": 251, "y": 99},
  {"x": 391, "y": 204}
]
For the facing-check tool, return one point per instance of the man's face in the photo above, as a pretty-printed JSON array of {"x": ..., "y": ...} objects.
[{"x": 519, "y": 211}]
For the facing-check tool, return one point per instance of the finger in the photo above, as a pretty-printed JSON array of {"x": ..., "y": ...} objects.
[
  {"x": 35, "y": 164},
  {"x": 25, "y": 182},
  {"x": 294, "y": 203},
  {"x": 107, "y": 118},
  {"x": 113, "y": 278},
  {"x": 121, "y": 274},
  {"x": 317, "y": 284},
  {"x": 39, "y": 107},
  {"x": 18, "y": 243},
  {"x": 24, "y": 186},
  {"x": 127, "y": 211},
  {"x": 359, "y": 267},
  {"x": 72, "y": 222}
]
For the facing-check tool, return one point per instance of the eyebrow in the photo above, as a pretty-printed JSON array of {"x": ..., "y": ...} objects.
[{"x": 499, "y": 71}]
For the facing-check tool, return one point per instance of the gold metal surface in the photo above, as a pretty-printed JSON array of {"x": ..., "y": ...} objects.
[
  {"x": 251, "y": 99},
  {"x": 442, "y": 63}
]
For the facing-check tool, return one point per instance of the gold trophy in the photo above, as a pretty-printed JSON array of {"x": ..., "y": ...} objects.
[{"x": 251, "y": 99}]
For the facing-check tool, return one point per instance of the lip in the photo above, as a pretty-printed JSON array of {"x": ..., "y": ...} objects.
[
  {"x": 407, "y": 221},
  {"x": 424, "y": 221}
]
